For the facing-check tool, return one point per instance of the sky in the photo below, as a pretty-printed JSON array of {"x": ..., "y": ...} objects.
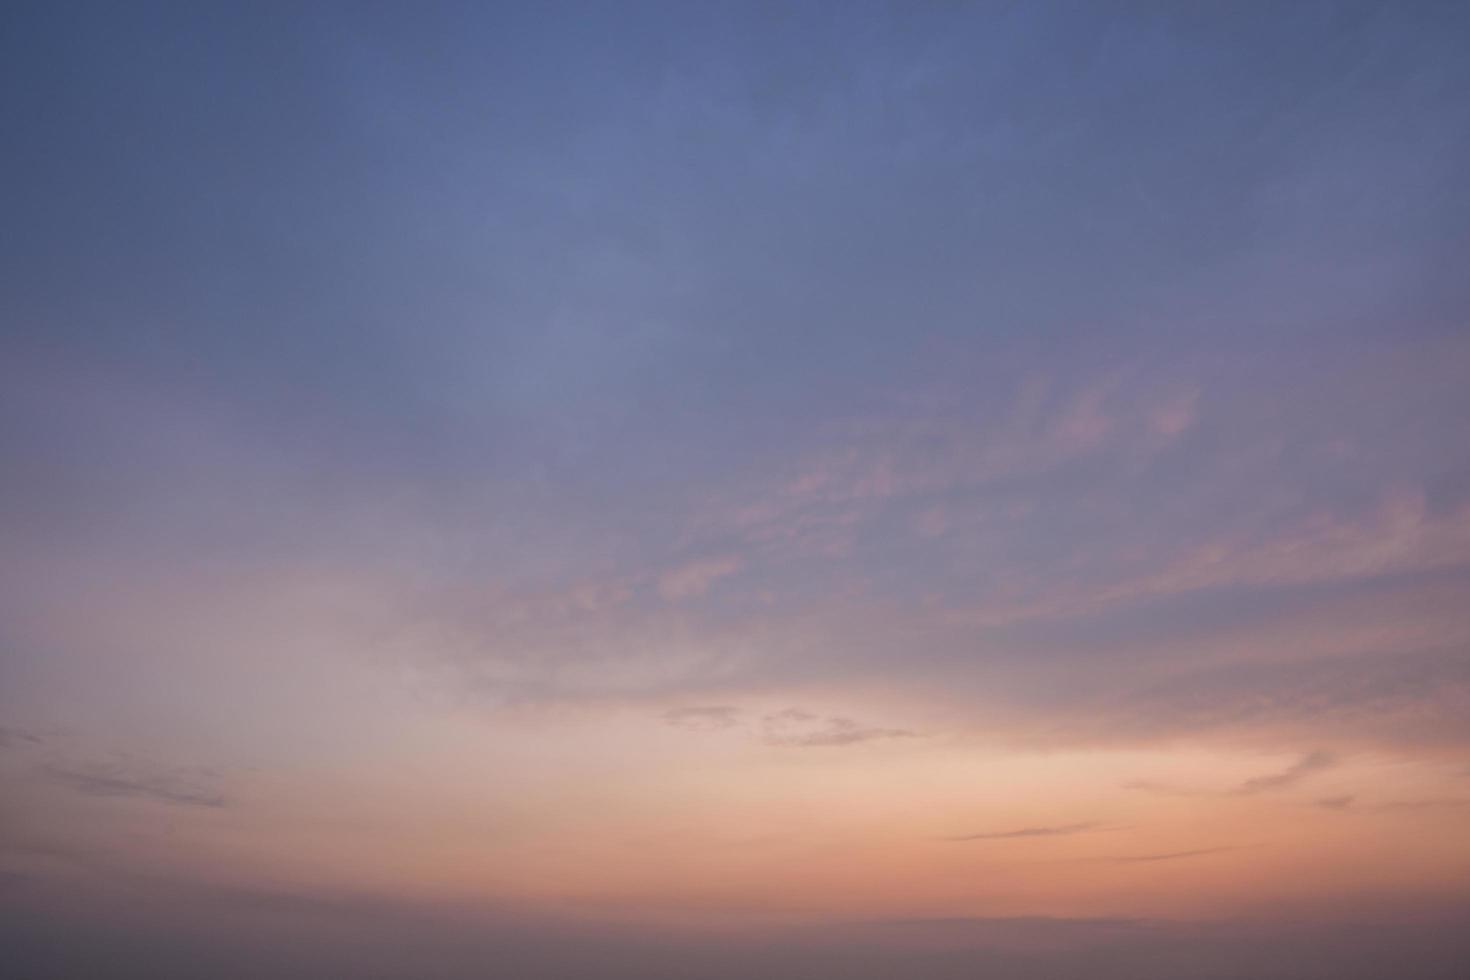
[{"x": 714, "y": 491}]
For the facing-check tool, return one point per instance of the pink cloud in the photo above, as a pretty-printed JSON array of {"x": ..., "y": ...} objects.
[{"x": 694, "y": 579}]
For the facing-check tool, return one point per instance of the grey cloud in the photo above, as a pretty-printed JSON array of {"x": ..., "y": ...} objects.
[
  {"x": 14, "y": 737},
  {"x": 793, "y": 727},
  {"x": 790, "y": 716},
  {"x": 1434, "y": 803},
  {"x": 1168, "y": 855},
  {"x": 1303, "y": 768},
  {"x": 187, "y": 929},
  {"x": 1308, "y": 765},
  {"x": 703, "y": 719},
  {"x": 1060, "y": 830},
  {"x": 1349, "y": 803},
  {"x": 1412, "y": 698},
  {"x": 180, "y": 787},
  {"x": 1022, "y": 923},
  {"x": 798, "y": 728}
]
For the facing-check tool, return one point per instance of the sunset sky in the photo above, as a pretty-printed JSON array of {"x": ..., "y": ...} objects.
[{"x": 714, "y": 491}]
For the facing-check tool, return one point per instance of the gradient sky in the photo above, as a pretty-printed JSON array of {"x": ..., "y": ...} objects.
[{"x": 712, "y": 491}]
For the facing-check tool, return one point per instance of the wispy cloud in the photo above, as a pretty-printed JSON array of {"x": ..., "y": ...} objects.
[
  {"x": 174, "y": 786},
  {"x": 1061, "y": 830},
  {"x": 1349, "y": 803},
  {"x": 10, "y": 737},
  {"x": 1433, "y": 803},
  {"x": 1168, "y": 855},
  {"x": 794, "y": 727},
  {"x": 1308, "y": 765},
  {"x": 1161, "y": 789},
  {"x": 694, "y": 579},
  {"x": 706, "y": 718}
]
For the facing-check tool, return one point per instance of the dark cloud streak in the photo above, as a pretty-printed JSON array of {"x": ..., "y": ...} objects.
[
  {"x": 1167, "y": 856},
  {"x": 1309, "y": 765},
  {"x": 1060, "y": 830},
  {"x": 15, "y": 737},
  {"x": 176, "y": 787}
]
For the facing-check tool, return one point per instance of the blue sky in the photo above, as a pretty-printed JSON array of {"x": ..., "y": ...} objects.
[{"x": 625, "y": 397}]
